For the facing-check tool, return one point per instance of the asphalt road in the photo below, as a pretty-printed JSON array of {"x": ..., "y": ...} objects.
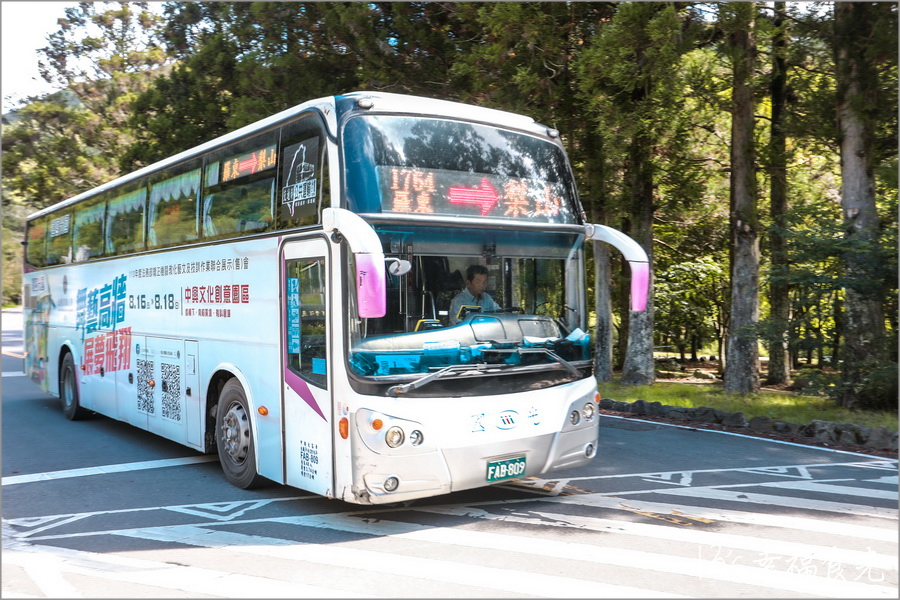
[{"x": 97, "y": 508}]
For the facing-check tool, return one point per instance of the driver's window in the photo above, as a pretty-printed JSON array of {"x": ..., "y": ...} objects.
[
  {"x": 539, "y": 286},
  {"x": 306, "y": 319}
]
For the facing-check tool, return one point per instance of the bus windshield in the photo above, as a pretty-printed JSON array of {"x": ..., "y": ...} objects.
[
  {"x": 529, "y": 319},
  {"x": 429, "y": 166}
]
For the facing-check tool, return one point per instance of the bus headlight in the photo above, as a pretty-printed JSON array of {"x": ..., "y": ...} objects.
[
  {"x": 416, "y": 437},
  {"x": 589, "y": 411},
  {"x": 575, "y": 417},
  {"x": 394, "y": 437}
]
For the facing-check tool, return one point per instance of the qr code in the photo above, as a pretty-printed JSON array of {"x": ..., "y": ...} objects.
[
  {"x": 145, "y": 392},
  {"x": 171, "y": 391}
]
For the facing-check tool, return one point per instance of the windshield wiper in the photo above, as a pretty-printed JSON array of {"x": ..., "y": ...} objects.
[
  {"x": 397, "y": 390},
  {"x": 538, "y": 350}
]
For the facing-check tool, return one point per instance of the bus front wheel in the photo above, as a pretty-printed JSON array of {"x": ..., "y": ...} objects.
[
  {"x": 234, "y": 437},
  {"x": 68, "y": 391}
]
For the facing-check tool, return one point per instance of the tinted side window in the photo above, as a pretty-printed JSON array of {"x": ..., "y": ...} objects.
[
  {"x": 59, "y": 246},
  {"x": 172, "y": 206},
  {"x": 303, "y": 173},
  {"x": 125, "y": 222},
  {"x": 36, "y": 250},
  {"x": 87, "y": 237},
  {"x": 240, "y": 187}
]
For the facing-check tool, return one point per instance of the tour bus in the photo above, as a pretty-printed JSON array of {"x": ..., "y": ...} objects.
[{"x": 281, "y": 295}]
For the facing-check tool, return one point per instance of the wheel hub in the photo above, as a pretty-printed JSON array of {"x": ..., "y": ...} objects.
[
  {"x": 69, "y": 388},
  {"x": 236, "y": 433}
]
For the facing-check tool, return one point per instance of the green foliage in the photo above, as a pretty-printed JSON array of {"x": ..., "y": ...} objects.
[
  {"x": 106, "y": 53},
  {"x": 49, "y": 152},
  {"x": 13, "y": 234},
  {"x": 640, "y": 91},
  {"x": 779, "y": 406},
  {"x": 689, "y": 300}
]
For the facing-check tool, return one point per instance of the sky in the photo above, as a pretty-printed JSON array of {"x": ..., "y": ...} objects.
[{"x": 25, "y": 27}]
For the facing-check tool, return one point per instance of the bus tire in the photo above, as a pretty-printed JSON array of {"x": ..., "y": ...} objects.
[
  {"x": 68, "y": 390},
  {"x": 234, "y": 437}
]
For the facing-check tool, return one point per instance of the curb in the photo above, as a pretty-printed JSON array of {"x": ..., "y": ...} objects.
[{"x": 880, "y": 438}]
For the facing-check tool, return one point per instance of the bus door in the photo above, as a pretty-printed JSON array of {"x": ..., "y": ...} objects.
[{"x": 306, "y": 327}]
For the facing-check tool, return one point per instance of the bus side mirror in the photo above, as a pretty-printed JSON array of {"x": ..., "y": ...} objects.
[
  {"x": 398, "y": 266},
  {"x": 371, "y": 292},
  {"x": 634, "y": 254}
]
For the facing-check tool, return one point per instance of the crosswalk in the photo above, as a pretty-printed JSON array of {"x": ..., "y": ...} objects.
[{"x": 827, "y": 537}]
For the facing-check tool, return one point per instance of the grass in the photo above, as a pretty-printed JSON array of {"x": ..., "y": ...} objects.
[{"x": 779, "y": 406}]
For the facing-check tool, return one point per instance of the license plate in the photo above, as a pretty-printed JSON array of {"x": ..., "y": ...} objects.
[{"x": 506, "y": 468}]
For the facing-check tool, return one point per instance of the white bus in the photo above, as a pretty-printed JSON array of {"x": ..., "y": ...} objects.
[{"x": 280, "y": 295}]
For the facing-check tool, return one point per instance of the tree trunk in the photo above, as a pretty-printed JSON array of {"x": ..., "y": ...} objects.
[
  {"x": 836, "y": 349},
  {"x": 779, "y": 289},
  {"x": 742, "y": 361},
  {"x": 603, "y": 334},
  {"x": 639, "y": 368},
  {"x": 623, "y": 304},
  {"x": 864, "y": 329}
]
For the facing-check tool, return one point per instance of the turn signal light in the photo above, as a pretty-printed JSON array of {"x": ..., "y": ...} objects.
[
  {"x": 377, "y": 424},
  {"x": 344, "y": 427},
  {"x": 262, "y": 410}
]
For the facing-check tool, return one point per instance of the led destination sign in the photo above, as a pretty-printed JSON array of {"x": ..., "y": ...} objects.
[
  {"x": 248, "y": 164},
  {"x": 437, "y": 191}
]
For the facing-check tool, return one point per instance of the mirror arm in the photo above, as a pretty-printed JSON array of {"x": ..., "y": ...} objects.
[
  {"x": 366, "y": 248},
  {"x": 635, "y": 255}
]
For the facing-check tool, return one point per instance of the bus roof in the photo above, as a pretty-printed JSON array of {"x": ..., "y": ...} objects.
[
  {"x": 400, "y": 103},
  {"x": 381, "y": 102}
]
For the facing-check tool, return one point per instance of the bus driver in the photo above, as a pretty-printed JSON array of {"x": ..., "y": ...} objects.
[{"x": 473, "y": 294}]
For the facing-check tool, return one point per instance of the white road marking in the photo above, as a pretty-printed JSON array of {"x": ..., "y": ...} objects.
[
  {"x": 49, "y": 580},
  {"x": 886, "y": 480},
  {"x": 786, "y": 501},
  {"x": 782, "y": 470},
  {"x": 493, "y": 578},
  {"x": 735, "y": 516},
  {"x": 679, "y": 534},
  {"x": 843, "y": 490},
  {"x": 342, "y": 555},
  {"x": 161, "y": 575},
  {"x": 107, "y": 469}
]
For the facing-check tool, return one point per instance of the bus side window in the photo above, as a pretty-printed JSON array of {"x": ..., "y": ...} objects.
[
  {"x": 240, "y": 187},
  {"x": 125, "y": 222},
  {"x": 172, "y": 209},
  {"x": 87, "y": 237},
  {"x": 36, "y": 250},
  {"x": 303, "y": 173},
  {"x": 59, "y": 246},
  {"x": 306, "y": 319}
]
